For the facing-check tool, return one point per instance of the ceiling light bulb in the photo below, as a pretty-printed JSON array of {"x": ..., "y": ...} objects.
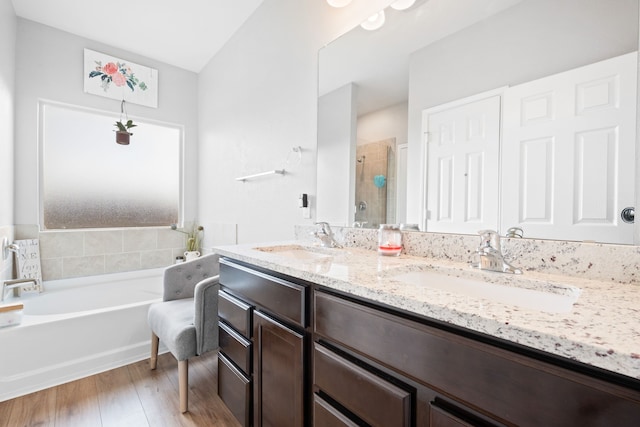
[
  {"x": 338, "y": 3},
  {"x": 374, "y": 22},
  {"x": 402, "y": 4}
]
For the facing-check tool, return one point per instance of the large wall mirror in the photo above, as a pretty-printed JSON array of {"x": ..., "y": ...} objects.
[{"x": 512, "y": 73}]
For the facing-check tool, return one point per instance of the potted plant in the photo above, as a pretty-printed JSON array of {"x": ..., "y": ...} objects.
[
  {"x": 193, "y": 237},
  {"x": 123, "y": 134}
]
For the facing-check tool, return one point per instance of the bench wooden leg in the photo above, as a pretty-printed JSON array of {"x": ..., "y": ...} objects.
[
  {"x": 183, "y": 384},
  {"x": 155, "y": 341}
]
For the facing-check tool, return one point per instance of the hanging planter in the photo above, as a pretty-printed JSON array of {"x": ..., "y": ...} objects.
[
  {"x": 122, "y": 137},
  {"x": 122, "y": 134}
]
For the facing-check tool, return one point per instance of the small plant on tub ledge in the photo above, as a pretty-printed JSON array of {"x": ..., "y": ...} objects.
[
  {"x": 123, "y": 134},
  {"x": 193, "y": 236}
]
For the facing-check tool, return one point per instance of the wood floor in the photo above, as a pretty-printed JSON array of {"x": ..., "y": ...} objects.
[{"x": 129, "y": 396}]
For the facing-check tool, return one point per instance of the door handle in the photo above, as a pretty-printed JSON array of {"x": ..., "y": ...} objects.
[{"x": 628, "y": 215}]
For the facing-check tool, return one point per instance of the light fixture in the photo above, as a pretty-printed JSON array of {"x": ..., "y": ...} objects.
[
  {"x": 402, "y": 4},
  {"x": 338, "y": 3},
  {"x": 374, "y": 22}
]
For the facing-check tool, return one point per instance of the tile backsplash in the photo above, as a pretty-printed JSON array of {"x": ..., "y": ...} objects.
[
  {"x": 594, "y": 261},
  {"x": 76, "y": 253}
]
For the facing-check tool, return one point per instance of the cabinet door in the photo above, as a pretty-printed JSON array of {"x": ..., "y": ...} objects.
[{"x": 278, "y": 373}]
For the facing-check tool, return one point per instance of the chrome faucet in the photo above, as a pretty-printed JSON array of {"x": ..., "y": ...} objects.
[
  {"x": 8, "y": 248},
  {"x": 489, "y": 255},
  {"x": 325, "y": 235},
  {"x": 16, "y": 285}
]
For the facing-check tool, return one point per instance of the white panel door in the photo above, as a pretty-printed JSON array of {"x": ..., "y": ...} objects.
[
  {"x": 568, "y": 153},
  {"x": 462, "y": 166}
]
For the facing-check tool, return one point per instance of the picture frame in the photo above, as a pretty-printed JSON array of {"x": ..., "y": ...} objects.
[{"x": 115, "y": 78}]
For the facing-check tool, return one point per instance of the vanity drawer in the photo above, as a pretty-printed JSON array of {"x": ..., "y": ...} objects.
[
  {"x": 373, "y": 399},
  {"x": 325, "y": 415},
  {"x": 281, "y": 297},
  {"x": 235, "y": 313},
  {"x": 440, "y": 417},
  {"x": 235, "y": 390},
  {"x": 235, "y": 347}
]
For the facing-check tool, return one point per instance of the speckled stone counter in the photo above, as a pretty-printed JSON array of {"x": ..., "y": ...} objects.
[{"x": 601, "y": 329}]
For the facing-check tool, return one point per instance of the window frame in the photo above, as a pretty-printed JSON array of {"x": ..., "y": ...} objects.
[{"x": 43, "y": 103}]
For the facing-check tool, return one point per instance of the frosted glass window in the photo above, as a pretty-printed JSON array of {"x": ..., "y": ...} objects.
[{"x": 89, "y": 181}]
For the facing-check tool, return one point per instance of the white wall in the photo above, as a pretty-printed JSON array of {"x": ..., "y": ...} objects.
[
  {"x": 390, "y": 122},
  {"x": 533, "y": 39},
  {"x": 49, "y": 65},
  {"x": 8, "y": 23},
  {"x": 257, "y": 100},
  {"x": 335, "y": 193}
]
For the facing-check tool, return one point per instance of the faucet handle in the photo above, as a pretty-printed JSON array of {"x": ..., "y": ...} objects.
[
  {"x": 489, "y": 239},
  {"x": 324, "y": 227},
  {"x": 515, "y": 232}
]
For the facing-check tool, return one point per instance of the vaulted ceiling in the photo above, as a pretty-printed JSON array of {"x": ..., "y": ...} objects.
[{"x": 185, "y": 33}]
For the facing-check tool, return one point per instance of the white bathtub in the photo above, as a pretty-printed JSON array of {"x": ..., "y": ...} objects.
[{"x": 78, "y": 327}]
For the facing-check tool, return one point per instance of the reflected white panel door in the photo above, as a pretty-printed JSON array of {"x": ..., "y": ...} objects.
[
  {"x": 462, "y": 166},
  {"x": 569, "y": 152}
]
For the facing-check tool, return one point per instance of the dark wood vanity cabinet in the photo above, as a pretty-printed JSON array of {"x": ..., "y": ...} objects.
[
  {"x": 456, "y": 377},
  {"x": 294, "y": 353},
  {"x": 263, "y": 359}
]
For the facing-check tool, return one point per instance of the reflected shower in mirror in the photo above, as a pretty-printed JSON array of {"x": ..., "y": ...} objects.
[{"x": 375, "y": 183}]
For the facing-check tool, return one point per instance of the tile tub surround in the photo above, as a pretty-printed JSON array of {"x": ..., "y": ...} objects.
[
  {"x": 593, "y": 261},
  {"x": 6, "y": 266},
  {"x": 76, "y": 253},
  {"x": 601, "y": 330}
]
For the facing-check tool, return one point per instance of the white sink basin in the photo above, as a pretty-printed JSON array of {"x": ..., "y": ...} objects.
[
  {"x": 299, "y": 252},
  {"x": 541, "y": 296},
  {"x": 310, "y": 258},
  {"x": 302, "y": 253}
]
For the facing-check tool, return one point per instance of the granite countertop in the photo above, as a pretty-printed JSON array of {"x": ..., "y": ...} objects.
[{"x": 601, "y": 328}]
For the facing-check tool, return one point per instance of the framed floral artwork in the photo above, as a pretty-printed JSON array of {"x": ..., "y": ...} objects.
[{"x": 116, "y": 78}]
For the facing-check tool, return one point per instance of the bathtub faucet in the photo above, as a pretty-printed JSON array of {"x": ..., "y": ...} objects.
[
  {"x": 16, "y": 285},
  {"x": 8, "y": 248}
]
